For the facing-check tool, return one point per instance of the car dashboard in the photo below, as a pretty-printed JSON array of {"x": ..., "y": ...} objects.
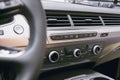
[
  {"x": 76, "y": 35},
  {"x": 80, "y": 33}
]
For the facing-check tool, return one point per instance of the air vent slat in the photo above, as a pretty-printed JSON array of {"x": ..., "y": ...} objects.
[
  {"x": 94, "y": 21},
  {"x": 59, "y": 25},
  {"x": 85, "y": 17},
  {"x": 57, "y": 20},
  {"x": 112, "y": 23},
  {"x": 88, "y": 24},
  {"x": 85, "y": 20},
  {"x": 111, "y": 20}
]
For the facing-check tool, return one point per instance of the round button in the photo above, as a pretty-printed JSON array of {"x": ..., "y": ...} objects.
[{"x": 18, "y": 29}]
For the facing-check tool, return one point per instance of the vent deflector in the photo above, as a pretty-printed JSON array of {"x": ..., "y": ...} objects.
[
  {"x": 86, "y": 20},
  {"x": 111, "y": 20},
  {"x": 57, "y": 20}
]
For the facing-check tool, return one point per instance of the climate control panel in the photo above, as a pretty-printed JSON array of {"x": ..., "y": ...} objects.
[{"x": 72, "y": 54}]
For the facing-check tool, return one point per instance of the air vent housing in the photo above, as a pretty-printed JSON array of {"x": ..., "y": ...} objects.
[
  {"x": 111, "y": 20},
  {"x": 86, "y": 20},
  {"x": 68, "y": 19},
  {"x": 57, "y": 20}
]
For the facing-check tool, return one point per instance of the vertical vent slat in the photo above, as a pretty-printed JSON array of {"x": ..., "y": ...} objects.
[
  {"x": 57, "y": 20},
  {"x": 86, "y": 20}
]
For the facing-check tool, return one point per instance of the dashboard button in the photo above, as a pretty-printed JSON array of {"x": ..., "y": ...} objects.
[
  {"x": 18, "y": 29},
  {"x": 81, "y": 35},
  {"x": 71, "y": 36},
  {"x": 104, "y": 35},
  {"x": 94, "y": 34},
  {"x": 1, "y": 32},
  {"x": 66, "y": 36},
  {"x": 76, "y": 36},
  {"x": 90, "y": 35},
  {"x": 86, "y": 35}
]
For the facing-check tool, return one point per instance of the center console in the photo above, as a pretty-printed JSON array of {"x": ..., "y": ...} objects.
[
  {"x": 57, "y": 57},
  {"x": 75, "y": 74},
  {"x": 90, "y": 75}
]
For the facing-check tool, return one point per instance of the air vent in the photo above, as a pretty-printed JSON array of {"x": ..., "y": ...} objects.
[
  {"x": 57, "y": 20},
  {"x": 108, "y": 20},
  {"x": 85, "y": 20}
]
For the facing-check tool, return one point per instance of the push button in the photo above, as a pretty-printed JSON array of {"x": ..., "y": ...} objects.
[
  {"x": 90, "y": 35},
  {"x": 76, "y": 36},
  {"x": 86, "y": 35},
  {"x": 18, "y": 29},
  {"x": 104, "y": 35},
  {"x": 94, "y": 34},
  {"x": 71, "y": 36},
  {"x": 1, "y": 32},
  {"x": 81, "y": 35},
  {"x": 66, "y": 36}
]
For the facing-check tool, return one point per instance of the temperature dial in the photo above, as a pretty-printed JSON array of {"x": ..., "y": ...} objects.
[
  {"x": 53, "y": 56},
  {"x": 77, "y": 53},
  {"x": 97, "y": 49}
]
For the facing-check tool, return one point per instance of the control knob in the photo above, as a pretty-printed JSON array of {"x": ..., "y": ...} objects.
[
  {"x": 53, "y": 56},
  {"x": 97, "y": 49},
  {"x": 77, "y": 53}
]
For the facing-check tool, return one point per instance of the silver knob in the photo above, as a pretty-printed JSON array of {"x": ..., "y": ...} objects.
[
  {"x": 53, "y": 56},
  {"x": 77, "y": 53},
  {"x": 97, "y": 49}
]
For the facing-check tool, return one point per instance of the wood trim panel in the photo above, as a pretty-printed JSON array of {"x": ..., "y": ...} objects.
[{"x": 13, "y": 42}]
